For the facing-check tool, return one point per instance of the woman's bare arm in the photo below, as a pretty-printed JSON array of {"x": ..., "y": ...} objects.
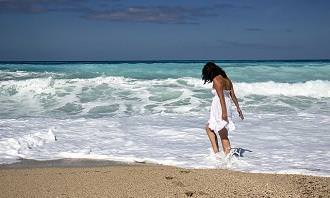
[
  {"x": 233, "y": 97},
  {"x": 218, "y": 85}
]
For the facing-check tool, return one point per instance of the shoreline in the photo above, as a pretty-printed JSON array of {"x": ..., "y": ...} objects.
[
  {"x": 99, "y": 178},
  {"x": 67, "y": 163},
  {"x": 87, "y": 162}
]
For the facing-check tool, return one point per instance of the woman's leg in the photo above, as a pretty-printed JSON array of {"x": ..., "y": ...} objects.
[
  {"x": 224, "y": 140},
  {"x": 213, "y": 139}
]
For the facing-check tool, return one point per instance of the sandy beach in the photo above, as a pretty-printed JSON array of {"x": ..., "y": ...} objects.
[
  {"x": 85, "y": 178},
  {"x": 111, "y": 98}
]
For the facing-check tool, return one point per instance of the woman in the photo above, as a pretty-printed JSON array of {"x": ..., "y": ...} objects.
[{"x": 221, "y": 112}]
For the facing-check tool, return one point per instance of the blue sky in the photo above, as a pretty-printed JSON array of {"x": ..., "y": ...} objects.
[{"x": 164, "y": 29}]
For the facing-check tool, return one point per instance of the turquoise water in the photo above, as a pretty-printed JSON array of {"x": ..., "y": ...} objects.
[
  {"x": 244, "y": 71},
  {"x": 89, "y": 106}
]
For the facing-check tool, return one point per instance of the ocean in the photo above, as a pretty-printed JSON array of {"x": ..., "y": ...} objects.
[{"x": 156, "y": 111}]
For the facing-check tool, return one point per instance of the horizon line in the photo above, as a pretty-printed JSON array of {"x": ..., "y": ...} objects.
[{"x": 166, "y": 60}]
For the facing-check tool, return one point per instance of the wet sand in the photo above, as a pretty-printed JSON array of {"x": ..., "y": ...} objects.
[{"x": 90, "y": 178}]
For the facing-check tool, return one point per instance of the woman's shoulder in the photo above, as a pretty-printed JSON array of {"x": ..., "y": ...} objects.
[
  {"x": 221, "y": 78},
  {"x": 226, "y": 82}
]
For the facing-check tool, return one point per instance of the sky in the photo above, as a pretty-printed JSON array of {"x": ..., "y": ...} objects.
[{"x": 100, "y": 30}]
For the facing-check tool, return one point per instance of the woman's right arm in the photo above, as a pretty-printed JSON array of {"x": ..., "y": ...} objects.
[{"x": 233, "y": 97}]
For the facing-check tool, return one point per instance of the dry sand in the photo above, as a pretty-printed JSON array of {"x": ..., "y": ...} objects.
[{"x": 100, "y": 179}]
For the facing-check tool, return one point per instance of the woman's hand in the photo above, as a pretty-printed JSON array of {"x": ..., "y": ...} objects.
[{"x": 239, "y": 111}]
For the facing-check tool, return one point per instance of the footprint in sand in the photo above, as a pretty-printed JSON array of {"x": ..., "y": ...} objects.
[
  {"x": 178, "y": 183},
  {"x": 189, "y": 193},
  {"x": 184, "y": 171},
  {"x": 169, "y": 177}
]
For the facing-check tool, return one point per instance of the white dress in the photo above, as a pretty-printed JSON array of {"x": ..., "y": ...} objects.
[{"x": 215, "y": 122}]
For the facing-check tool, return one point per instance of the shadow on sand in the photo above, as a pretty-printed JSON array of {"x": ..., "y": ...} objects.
[{"x": 239, "y": 152}]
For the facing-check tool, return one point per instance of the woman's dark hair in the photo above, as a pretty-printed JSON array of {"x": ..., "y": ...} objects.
[{"x": 211, "y": 70}]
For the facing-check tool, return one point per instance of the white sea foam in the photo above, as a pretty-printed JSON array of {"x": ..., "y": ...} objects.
[
  {"x": 21, "y": 75},
  {"x": 275, "y": 147},
  {"x": 314, "y": 89},
  {"x": 12, "y": 148}
]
